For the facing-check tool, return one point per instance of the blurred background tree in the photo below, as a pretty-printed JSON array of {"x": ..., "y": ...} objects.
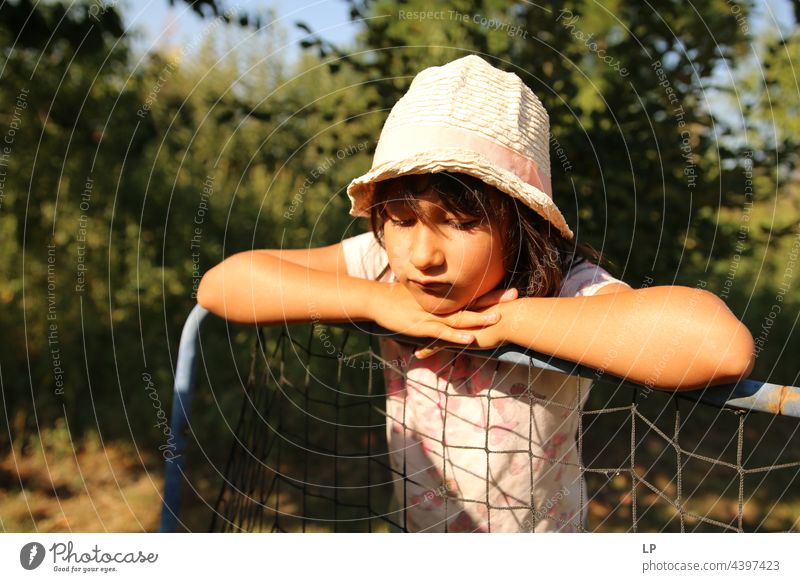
[{"x": 647, "y": 166}]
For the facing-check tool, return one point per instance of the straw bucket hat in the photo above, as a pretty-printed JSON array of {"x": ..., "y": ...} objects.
[{"x": 468, "y": 117}]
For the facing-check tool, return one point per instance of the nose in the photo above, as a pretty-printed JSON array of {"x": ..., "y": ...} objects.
[{"x": 426, "y": 253}]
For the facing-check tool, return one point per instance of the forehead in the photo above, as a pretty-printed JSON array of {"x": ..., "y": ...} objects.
[
  {"x": 427, "y": 198},
  {"x": 428, "y": 203}
]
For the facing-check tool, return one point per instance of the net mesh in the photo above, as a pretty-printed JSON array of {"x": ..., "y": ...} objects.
[{"x": 310, "y": 452}]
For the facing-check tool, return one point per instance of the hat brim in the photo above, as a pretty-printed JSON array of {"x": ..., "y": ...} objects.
[{"x": 361, "y": 190}]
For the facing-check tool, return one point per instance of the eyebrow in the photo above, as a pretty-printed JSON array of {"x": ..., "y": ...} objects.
[{"x": 398, "y": 205}]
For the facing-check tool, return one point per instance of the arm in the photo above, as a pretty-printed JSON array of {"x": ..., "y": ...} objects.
[
  {"x": 265, "y": 287},
  {"x": 670, "y": 337},
  {"x": 259, "y": 287}
]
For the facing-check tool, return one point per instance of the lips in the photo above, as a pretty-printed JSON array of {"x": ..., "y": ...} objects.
[
  {"x": 432, "y": 287},
  {"x": 427, "y": 282}
]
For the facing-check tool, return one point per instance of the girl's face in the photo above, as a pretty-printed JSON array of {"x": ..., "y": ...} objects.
[{"x": 446, "y": 261}]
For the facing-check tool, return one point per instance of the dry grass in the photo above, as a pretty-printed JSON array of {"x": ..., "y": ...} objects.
[{"x": 49, "y": 485}]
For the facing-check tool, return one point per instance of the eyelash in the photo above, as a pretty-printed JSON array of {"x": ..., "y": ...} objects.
[
  {"x": 464, "y": 226},
  {"x": 472, "y": 224}
]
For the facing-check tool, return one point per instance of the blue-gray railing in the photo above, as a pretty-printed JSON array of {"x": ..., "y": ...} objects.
[
  {"x": 752, "y": 395},
  {"x": 185, "y": 380}
]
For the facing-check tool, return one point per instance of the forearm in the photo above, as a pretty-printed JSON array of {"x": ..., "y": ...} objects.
[
  {"x": 262, "y": 289},
  {"x": 663, "y": 337}
]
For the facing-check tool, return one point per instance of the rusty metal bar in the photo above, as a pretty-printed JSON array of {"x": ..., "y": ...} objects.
[{"x": 746, "y": 394}]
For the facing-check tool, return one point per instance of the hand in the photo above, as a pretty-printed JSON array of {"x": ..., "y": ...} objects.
[
  {"x": 394, "y": 308},
  {"x": 485, "y": 338}
]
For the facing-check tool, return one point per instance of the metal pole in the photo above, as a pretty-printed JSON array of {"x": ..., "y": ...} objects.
[{"x": 185, "y": 378}]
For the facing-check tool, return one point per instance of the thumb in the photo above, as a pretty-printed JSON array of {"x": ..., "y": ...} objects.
[
  {"x": 495, "y": 297},
  {"x": 508, "y": 295}
]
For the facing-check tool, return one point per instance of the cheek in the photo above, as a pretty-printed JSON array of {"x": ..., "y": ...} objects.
[
  {"x": 480, "y": 267},
  {"x": 396, "y": 251},
  {"x": 493, "y": 274}
]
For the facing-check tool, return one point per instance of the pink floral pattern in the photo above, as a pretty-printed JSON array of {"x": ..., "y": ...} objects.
[{"x": 450, "y": 428}]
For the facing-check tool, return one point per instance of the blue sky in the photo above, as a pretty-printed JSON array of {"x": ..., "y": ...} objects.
[{"x": 162, "y": 24}]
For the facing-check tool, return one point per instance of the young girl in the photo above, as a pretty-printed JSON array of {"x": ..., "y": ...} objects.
[{"x": 468, "y": 248}]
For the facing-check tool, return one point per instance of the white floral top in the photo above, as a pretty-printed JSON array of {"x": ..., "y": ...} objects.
[{"x": 481, "y": 445}]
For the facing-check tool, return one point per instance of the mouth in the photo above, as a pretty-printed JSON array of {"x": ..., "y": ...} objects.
[{"x": 433, "y": 288}]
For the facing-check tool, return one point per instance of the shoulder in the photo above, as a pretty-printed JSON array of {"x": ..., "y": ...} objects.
[
  {"x": 364, "y": 256},
  {"x": 359, "y": 244},
  {"x": 586, "y": 278}
]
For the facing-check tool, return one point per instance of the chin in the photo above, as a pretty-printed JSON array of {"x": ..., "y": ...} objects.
[{"x": 439, "y": 305}]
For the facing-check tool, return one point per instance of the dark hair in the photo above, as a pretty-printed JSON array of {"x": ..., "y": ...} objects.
[{"x": 536, "y": 255}]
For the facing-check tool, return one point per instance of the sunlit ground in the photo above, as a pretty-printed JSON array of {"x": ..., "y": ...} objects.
[{"x": 53, "y": 485}]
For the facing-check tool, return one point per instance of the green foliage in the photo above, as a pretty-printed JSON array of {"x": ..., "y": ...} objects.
[
  {"x": 190, "y": 156},
  {"x": 642, "y": 167}
]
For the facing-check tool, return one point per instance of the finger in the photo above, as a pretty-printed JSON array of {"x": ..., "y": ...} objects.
[
  {"x": 448, "y": 334},
  {"x": 485, "y": 300},
  {"x": 426, "y": 352},
  {"x": 494, "y": 297},
  {"x": 431, "y": 349},
  {"x": 509, "y": 295},
  {"x": 434, "y": 347},
  {"x": 470, "y": 319}
]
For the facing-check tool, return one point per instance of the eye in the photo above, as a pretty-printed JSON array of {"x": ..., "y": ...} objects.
[
  {"x": 401, "y": 223},
  {"x": 464, "y": 225}
]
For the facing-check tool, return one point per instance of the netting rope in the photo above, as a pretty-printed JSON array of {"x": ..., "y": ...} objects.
[{"x": 309, "y": 452}]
